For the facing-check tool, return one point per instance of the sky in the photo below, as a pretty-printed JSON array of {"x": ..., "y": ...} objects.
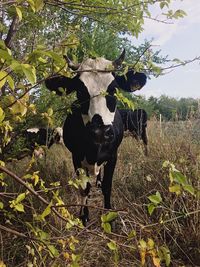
[{"x": 178, "y": 40}]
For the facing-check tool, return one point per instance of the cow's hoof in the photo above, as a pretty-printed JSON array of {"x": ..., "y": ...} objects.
[
  {"x": 84, "y": 219},
  {"x": 98, "y": 184}
]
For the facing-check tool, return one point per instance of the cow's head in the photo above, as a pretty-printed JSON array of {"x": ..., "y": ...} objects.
[{"x": 95, "y": 86}]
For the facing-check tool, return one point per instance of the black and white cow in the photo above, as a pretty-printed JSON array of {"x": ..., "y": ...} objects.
[
  {"x": 94, "y": 129},
  {"x": 38, "y": 137},
  {"x": 34, "y": 142},
  {"x": 135, "y": 122}
]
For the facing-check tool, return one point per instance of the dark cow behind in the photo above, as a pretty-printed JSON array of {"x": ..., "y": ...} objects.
[
  {"x": 135, "y": 122},
  {"x": 32, "y": 141},
  {"x": 37, "y": 137},
  {"x": 94, "y": 129}
]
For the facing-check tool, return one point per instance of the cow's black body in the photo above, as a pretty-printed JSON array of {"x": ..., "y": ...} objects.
[
  {"x": 41, "y": 137},
  {"x": 94, "y": 129},
  {"x": 135, "y": 121},
  {"x": 34, "y": 140},
  {"x": 78, "y": 140}
]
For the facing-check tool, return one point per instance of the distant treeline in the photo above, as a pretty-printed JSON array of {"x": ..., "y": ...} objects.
[{"x": 170, "y": 108}]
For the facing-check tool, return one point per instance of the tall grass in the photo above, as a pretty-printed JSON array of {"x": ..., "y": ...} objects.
[
  {"x": 138, "y": 177},
  {"x": 175, "y": 222}
]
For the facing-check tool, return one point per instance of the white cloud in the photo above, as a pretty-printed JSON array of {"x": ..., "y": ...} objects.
[
  {"x": 180, "y": 40},
  {"x": 147, "y": 92},
  {"x": 192, "y": 70},
  {"x": 162, "y": 32}
]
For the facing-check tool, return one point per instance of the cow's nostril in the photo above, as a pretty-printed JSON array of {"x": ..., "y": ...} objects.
[{"x": 108, "y": 133}]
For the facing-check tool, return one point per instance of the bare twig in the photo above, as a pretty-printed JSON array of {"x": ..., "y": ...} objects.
[
  {"x": 9, "y": 230},
  {"x": 143, "y": 52},
  {"x": 186, "y": 62},
  {"x": 31, "y": 190}
]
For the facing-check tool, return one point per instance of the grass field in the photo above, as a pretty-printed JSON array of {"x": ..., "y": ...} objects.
[{"x": 170, "y": 236}]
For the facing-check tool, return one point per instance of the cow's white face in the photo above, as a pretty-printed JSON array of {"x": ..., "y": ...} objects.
[{"x": 98, "y": 95}]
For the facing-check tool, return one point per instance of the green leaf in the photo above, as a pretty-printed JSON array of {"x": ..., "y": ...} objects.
[
  {"x": 150, "y": 243},
  {"x": 53, "y": 251},
  {"x": 39, "y": 4},
  {"x": 32, "y": 4},
  {"x": 4, "y": 54},
  {"x": 50, "y": 111},
  {"x": 1, "y": 205},
  {"x": 58, "y": 58},
  {"x": 112, "y": 245},
  {"x": 163, "y": 4},
  {"x": 46, "y": 212},
  {"x": 73, "y": 183},
  {"x": 103, "y": 218},
  {"x": 3, "y": 76},
  {"x": 189, "y": 188},
  {"x": 16, "y": 66},
  {"x": 42, "y": 60},
  {"x": 18, "y": 108},
  {"x": 132, "y": 234},
  {"x": 156, "y": 199},
  {"x": 179, "y": 14},
  {"x": 29, "y": 72},
  {"x": 143, "y": 244},
  {"x": 2, "y": 115},
  {"x": 10, "y": 82},
  {"x": 164, "y": 254},
  {"x": 106, "y": 227},
  {"x": 20, "y": 197},
  {"x": 19, "y": 207},
  {"x": 109, "y": 216},
  {"x": 19, "y": 13},
  {"x": 36, "y": 178},
  {"x": 75, "y": 260},
  {"x": 179, "y": 177},
  {"x": 151, "y": 207},
  {"x": 175, "y": 189},
  {"x": 43, "y": 235}
]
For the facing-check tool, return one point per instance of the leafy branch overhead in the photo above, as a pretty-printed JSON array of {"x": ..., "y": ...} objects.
[{"x": 54, "y": 28}]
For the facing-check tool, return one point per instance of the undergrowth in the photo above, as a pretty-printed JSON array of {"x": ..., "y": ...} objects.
[{"x": 155, "y": 207}]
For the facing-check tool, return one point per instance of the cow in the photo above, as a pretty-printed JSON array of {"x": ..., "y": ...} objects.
[
  {"x": 36, "y": 138},
  {"x": 135, "y": 122},
  {"x": 93, "y": 130}
]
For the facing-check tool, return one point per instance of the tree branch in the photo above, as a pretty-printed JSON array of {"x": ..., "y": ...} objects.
[
  {"x": 31, "y": 190},
  {"x": 12, "y": 31},
  {"x": 4, "y": 228}
]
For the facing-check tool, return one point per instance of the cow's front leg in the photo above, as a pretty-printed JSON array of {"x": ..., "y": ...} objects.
[
  {"x": 107, "y": 180},
  {"x": 84, "y": 192},
  {"x": 98, "y": 180},
  {"x": 84, "y": 211}
]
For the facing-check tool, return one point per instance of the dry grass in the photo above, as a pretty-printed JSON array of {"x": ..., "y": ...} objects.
[{"x": 136, "y": 177}]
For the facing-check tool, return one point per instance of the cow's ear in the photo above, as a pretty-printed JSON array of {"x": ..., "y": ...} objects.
[
  {"x": 60, "y": 84},
  {"x": 131, "y": 81}
]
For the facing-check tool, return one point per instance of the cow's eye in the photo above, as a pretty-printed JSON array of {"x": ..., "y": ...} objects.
[
  {"x": 83, "y": 94},
  {"x": 111, "y": 90},
  {"x": 111, "y": 102}
]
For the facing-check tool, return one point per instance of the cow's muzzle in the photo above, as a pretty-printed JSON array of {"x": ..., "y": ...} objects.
[{"x": 101, "y": 135}]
